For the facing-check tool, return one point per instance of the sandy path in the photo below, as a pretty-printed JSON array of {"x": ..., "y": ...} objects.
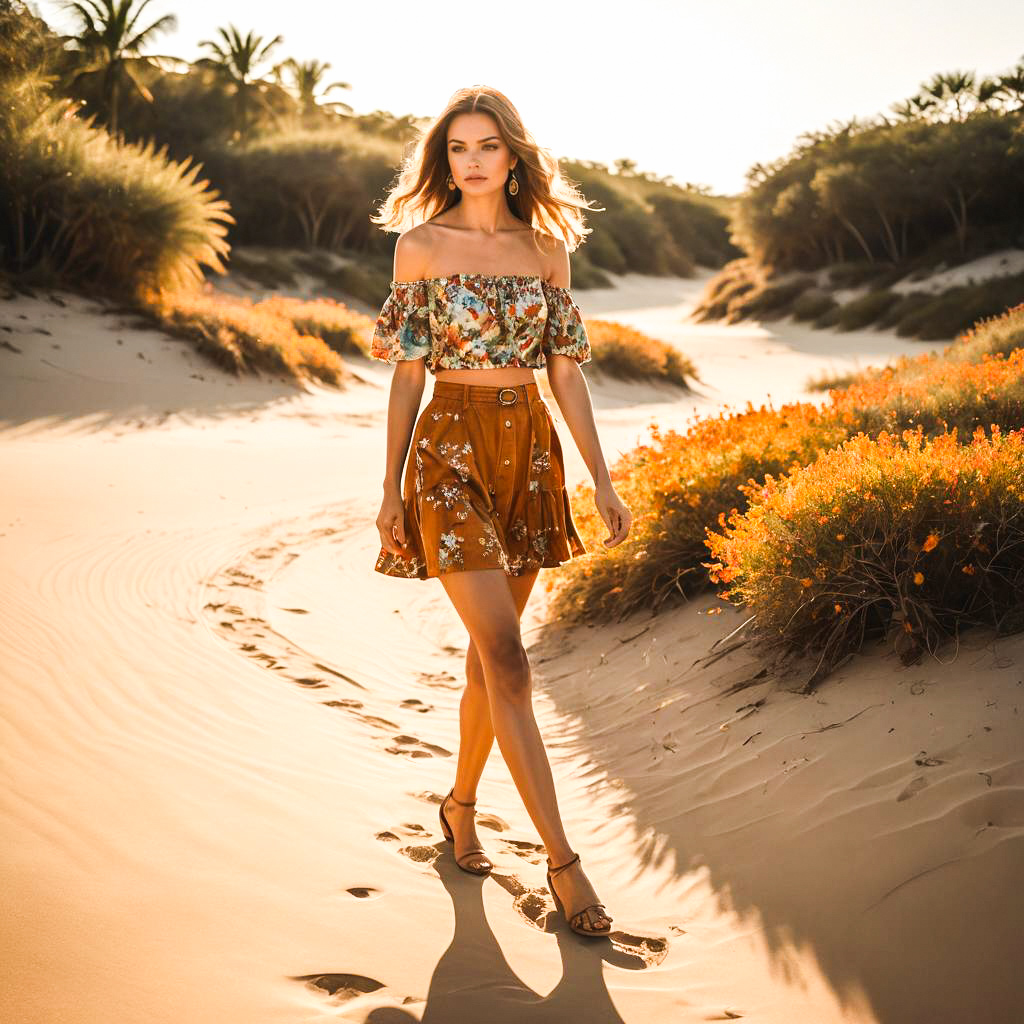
[{"x": 189, "y": 838}]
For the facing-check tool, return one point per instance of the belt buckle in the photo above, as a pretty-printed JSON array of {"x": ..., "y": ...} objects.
[{"x": 515, "y": 396}]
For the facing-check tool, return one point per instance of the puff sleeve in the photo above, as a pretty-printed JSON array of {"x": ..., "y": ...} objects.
[
  {"x": 402, "y": 330},
  {"x": 564, "y": 333}
]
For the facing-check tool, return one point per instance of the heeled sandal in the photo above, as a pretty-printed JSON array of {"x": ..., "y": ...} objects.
[
  {"x": 575, "y": 922},
  {"x": 446, "y": 829}
]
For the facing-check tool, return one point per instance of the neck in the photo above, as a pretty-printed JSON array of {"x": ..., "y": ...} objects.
[{"x": 487, "y": 214}]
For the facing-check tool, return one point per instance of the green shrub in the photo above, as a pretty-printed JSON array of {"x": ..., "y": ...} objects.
[
  {"x": 812, "y": 304},
  {"x": 830, "y": 317},
  {"x": 775, "y": 300},
  {"x": 956, "y": 309},
  {"x": 82, "y": 208},
  {"x": 864, "y": 310}
]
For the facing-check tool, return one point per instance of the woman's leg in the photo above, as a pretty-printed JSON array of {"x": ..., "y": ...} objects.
[
  {"x": 483, "y": 599},
  {"x": 476, "y": 734}
]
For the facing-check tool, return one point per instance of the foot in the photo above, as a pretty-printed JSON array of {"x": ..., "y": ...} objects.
[
  {"x": 462, "y": 821},
  {"x": 575, "y": 891}
]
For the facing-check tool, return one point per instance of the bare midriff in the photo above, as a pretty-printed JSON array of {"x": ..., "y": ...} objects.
[{"x": 499, "y": 376}]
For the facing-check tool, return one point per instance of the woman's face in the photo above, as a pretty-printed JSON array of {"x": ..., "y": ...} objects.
[{"x": 477, "y": 154}]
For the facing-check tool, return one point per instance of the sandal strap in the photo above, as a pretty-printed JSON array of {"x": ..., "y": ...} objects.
[
  {"x": 461, "y": 803},
  {"x": 561, "y": 867},
  {"x": 471, "y": 853},
  {"x": 593, "y": 906}
]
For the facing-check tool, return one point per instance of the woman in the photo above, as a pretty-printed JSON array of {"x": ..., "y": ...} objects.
[{"x": 480, "y": 298}]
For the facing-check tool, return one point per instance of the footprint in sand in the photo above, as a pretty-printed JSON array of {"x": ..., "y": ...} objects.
[
  {"x": 418, "y": 854},
  {"x": 534, "y": 853},
  {"x": 384, "y": 723},
  {"x": 442, "y": 680},
  {"x": 537, "y": 909},
  {"x": 411, "y": 746},
  {"x": 341, "y": 986},
  {"x": 416, "y": 705},
  {"x": 364, "y": 892},
  {"x": 912, "y": 788},
  {"x": 483, "y": 818}
]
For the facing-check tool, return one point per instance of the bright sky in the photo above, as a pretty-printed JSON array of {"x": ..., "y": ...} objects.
[{"x": 699, "y": 91}]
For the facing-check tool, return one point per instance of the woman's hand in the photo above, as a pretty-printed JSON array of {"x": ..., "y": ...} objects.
[
  {"x": 391, "y": 522},
  {"x": 614, "y": 513}
]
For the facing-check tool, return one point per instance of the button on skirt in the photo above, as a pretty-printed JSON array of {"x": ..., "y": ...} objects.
[{"x": 484, "y": 486}]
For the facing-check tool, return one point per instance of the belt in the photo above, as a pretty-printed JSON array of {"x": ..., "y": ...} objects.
[{"x": 467, "y": 393}]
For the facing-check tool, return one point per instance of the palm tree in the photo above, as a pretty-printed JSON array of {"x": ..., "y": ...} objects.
[
  {"x": 237, "y": 58},
  {"x": 111, "y": 41},
  {"x": 307, "y": 80},
  {"x": 1011, "y": 86},
  {"x": 952, "y": 88}
]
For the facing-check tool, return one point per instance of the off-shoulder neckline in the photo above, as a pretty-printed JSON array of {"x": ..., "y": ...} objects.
[{"x": 485, "y": 277}]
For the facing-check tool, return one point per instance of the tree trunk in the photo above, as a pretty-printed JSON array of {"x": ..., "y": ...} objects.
[{"x": 852, "y": 228}]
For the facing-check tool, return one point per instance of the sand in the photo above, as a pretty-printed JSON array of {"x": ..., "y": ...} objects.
[{"x": 225, "y": 737}]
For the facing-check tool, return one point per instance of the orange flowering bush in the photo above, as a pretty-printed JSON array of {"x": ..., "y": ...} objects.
[
  {"x": 899, "y": 536},
  {"x": 675, "y": 486},
  {"x": 242, "y": 336},
  {"x": 940, "y": 395},
  {"x": 679, "y": 484}
]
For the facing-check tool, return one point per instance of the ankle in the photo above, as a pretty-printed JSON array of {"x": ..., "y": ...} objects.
[{"x": 561, "y": 859}]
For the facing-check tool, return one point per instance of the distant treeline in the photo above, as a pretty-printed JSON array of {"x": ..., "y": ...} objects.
[
  {"x": 890, "y": 193},
  {"x": 866, "y": 204},
  {"x": 123, "y": 133}
]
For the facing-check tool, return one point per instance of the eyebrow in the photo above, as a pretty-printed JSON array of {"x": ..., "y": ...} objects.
[{"x": 489, "y": 137}]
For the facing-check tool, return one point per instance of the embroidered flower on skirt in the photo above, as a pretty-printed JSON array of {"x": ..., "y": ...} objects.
[{"x": 485, "y": 487}]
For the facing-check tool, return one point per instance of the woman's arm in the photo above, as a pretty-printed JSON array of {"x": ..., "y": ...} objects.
[
  {"x": 407, "y": 382},
  {"x": 569, "y": 386}
]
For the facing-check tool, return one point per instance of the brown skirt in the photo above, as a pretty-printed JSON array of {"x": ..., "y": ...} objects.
[{"x": 484, "y": 486}]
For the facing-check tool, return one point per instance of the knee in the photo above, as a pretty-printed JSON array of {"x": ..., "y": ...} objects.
[
  {"x": 474, "y": 668},
  {"x": 506, "y": 667}
]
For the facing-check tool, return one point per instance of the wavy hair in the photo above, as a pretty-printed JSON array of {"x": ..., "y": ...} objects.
[{"x": 546, "y": 199}]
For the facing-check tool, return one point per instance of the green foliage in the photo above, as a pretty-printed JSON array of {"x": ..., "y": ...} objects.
[
  {"x": 82, "y": 207},
  {"x": 813, "y": 303},
  {"x": 864, "y": 310},
  {"x": 110, "y": 42},
  {"x": 305, "y": 188},
  {"x": 955, "y": 309}
]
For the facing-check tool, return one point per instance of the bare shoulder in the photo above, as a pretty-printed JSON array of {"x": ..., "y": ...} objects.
[
  {"x": 412, "y": 253},
  {"x": 556, "y": 259}
]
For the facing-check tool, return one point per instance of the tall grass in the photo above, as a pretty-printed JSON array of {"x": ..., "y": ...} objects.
[
  {"x": 628, "y": 354},
  {"x": 83, "y": 208},
  {"x": 243, "y": 336}
]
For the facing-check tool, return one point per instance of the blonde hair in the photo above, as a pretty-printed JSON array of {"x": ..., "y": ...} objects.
[{"x": 546, "y": 200}]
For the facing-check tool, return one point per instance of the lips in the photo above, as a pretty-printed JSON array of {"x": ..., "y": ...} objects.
[{"x": 475, "y": 177}]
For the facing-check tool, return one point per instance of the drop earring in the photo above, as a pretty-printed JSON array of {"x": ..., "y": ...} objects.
[
  {"x": 513, "y": 185},
  {"x": 451, "y": 182}
]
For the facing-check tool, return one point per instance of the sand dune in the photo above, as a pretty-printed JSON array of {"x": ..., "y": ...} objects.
[{"x": 225, "y": 738}]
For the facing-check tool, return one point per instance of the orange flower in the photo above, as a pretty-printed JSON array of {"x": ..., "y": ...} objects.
[
  {"x": 807, "y": 581},
  {"x": 931, "y": 541},
  {"x": 969, "y": 569},
  {"x": 919, "y": 578}
]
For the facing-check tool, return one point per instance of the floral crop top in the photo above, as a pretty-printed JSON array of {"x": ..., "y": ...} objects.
[{"x": 479, "y": 321}]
